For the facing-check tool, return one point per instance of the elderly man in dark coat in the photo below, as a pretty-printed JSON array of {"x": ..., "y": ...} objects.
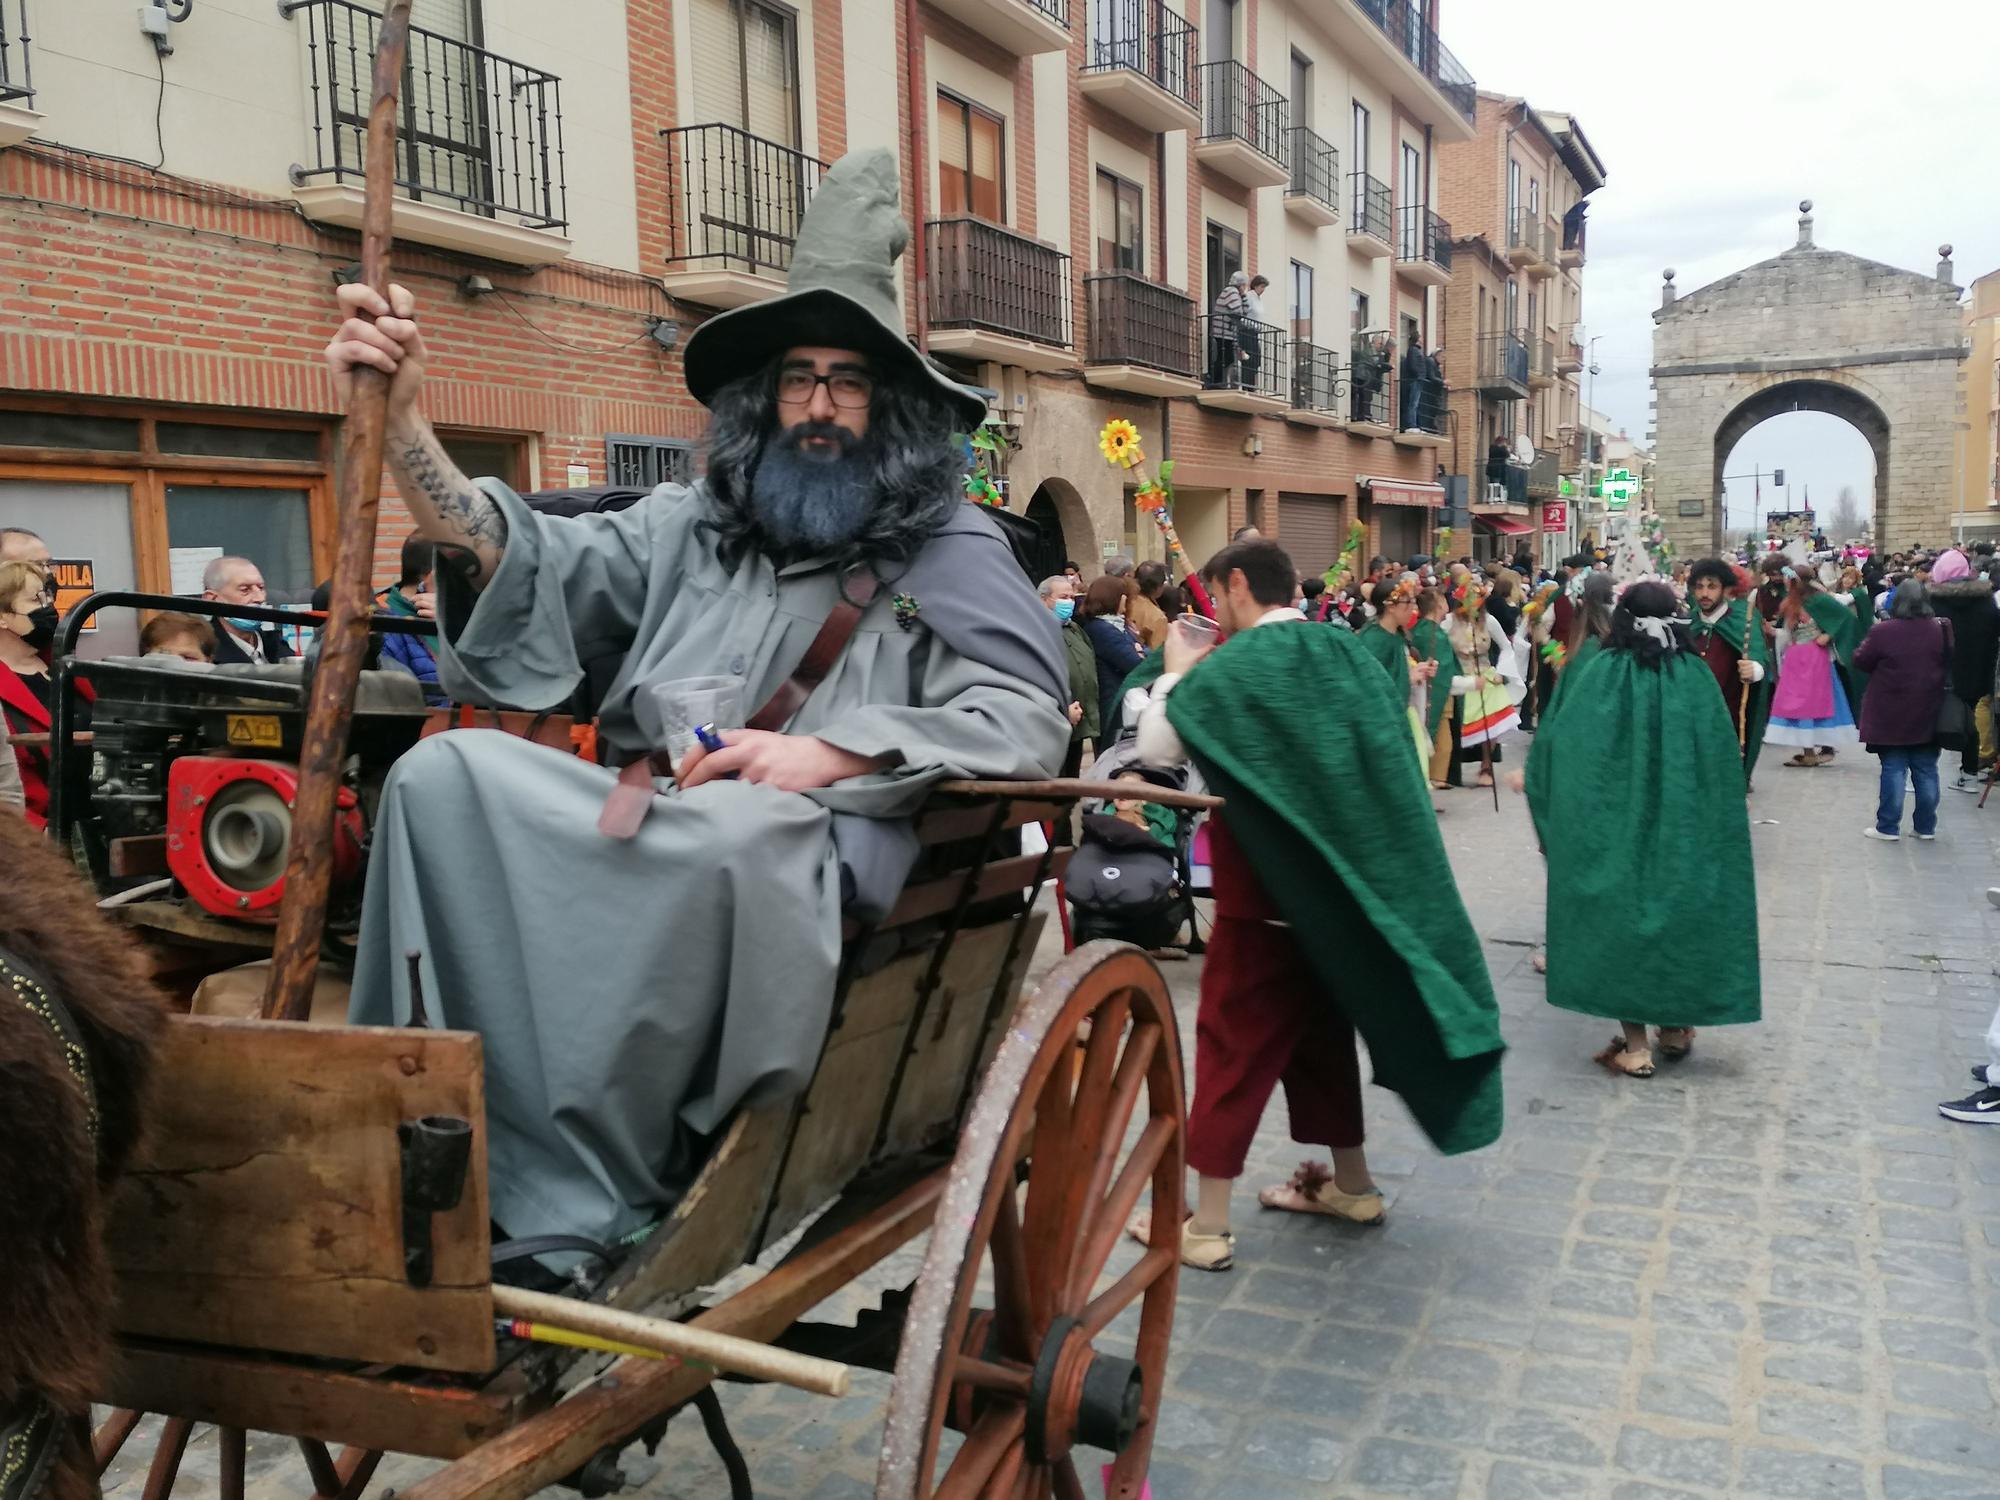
[{"x": 643, "y": 953}]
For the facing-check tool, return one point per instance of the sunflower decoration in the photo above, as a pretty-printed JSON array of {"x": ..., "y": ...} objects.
[
  {"x": 1470, "y": 598},
  {"x": 1544, "y": 597},
  {"x": 1119, "y": 443}
]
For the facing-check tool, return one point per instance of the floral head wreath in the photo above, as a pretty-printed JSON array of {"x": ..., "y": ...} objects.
[{"x": 1469, "y": 597}]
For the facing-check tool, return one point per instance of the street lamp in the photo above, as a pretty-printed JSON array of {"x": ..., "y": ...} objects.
[{"x": 1589, "y": 433}]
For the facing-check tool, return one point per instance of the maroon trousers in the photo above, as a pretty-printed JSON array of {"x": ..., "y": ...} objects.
[{"x": 1265, "y": 1018}]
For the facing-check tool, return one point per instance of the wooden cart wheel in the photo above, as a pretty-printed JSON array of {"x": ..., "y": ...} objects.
[
  {"x": 342, "y": 1478},
  {"x": 1025, "y": 1380}
]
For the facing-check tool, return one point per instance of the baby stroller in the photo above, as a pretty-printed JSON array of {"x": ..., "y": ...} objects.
[{"x": 1131, "y": 877}]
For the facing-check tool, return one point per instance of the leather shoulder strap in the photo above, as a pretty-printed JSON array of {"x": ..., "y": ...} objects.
[{"x": 820, "y": 656}]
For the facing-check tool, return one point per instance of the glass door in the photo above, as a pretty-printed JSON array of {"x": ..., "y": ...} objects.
[{"x": 87, "y": 522}]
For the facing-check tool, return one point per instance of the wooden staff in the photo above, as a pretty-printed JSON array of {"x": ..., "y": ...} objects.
[
  {"x": 309, "y": 866},
  {"x": 1743, "y": 698}
]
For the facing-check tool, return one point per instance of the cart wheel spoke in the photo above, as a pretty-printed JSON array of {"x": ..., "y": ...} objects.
[
  {"x": 1114, "y": 1299},
  {"x": 1042, "y": 1226},
  {"x": 108, "y": 1439},
  {"x": 1012, "y": 1306},
  {"x": 1114, "y": 1211},
  {"x": 1132, "y": 1068},
  {"x": 230, "y": 1443},
  {"x": 166, "y": 1465},
  {"x": 1009, "y": 1477},
  {"x": 991, "y": 1439},
  {"x": 1069, "y": 1486},
  {"x": 984, "y": 1375},
  {"x": 319, "y": 1464}
]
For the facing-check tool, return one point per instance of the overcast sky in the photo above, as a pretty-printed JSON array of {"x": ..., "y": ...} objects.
[{"x": 1714, "y": 119}]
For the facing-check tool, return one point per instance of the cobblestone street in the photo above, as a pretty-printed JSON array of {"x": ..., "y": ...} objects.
[{"x": 1771, "y": 1271}]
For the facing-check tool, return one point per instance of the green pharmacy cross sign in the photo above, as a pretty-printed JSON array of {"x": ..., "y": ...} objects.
[{"x": 1617, "y": 489}]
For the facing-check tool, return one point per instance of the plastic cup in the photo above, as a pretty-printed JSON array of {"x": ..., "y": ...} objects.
[
  {"x": 1196, "y": 632},
  {"x": 670, "y": 712}
]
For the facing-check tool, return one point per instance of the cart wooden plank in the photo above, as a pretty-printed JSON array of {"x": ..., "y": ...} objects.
[
  {"x": 264, "y": 1209},
  {"x": 268, "y": 1395}
]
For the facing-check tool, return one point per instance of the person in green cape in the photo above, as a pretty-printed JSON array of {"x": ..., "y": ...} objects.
[
  {"x": 1335, "y": 907},
  {"x": 1636, "y": 792},
  {"x": 1720, "y": 614},
  {"x": 1387, "y": 639},
  {"x": 1433, "y": 644}
]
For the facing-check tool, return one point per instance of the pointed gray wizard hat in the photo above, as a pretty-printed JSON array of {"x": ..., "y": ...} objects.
[{"x": 842, "y": 292}]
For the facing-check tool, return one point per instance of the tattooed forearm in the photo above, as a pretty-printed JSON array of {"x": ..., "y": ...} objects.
[{"x": 447, "y": 506}]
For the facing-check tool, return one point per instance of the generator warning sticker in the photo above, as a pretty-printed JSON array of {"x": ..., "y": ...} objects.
[{"x": 256, "y": 731}]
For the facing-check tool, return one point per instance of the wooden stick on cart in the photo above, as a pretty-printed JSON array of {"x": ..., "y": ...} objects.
[
  {"x": 309, "y": 866},
  {"x": 727, "y": 1352}
]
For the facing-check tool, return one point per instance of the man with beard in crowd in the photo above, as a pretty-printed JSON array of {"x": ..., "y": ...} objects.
[{"x": 644, "y": 952}]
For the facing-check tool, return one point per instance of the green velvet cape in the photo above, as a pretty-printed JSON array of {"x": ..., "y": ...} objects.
[
  {"x": 1433, "y": 643},
  {"x": 1392, "y": 651},
  {"x": 1637, "y": 795},
  {"x": 1307, "y": 741},
  {"x": 1838, "y": 619},
  {"x": 1730, "y": 628}
]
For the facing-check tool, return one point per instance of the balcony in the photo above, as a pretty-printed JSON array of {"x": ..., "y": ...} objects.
[
  {"x": 1541, "y": 364},
  {"x": 1142, "y": 336},
  {"x": 1316, "y": 386},
  {"x": 1140, "y": 61},
  {"x": 1392, "y": 41},
  {"x": 1524, "y": 240},
  {"x": 1314, "y": 191},
  {"x": 1570, "y": 257},
  {"x": 1242, "y": 126},
  {"x": 479, "y": 147},
  {"x": 1504, "y": 492},
  {"x": 1421, "y": 408},
  {"x": 734, "y": 202},
  {"x": 1245, "y": 365},
  {"x": 1423, "y": 246},
  {"x": 1569, "y": 355},
  {"x": 1502, "y": 366},
  {"x": 996, "y": 296},
  {"x": 1545, "y": 475},
  {"x": 1371, "y": 401},
  {"x": 1023, "y": 27},
  {"x": 18, "y": 119},
  {"x": 1368, "y": 216}
]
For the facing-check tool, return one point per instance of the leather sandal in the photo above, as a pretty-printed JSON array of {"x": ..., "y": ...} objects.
[
  {"x": 1631, "y": 1064},
  {"x": 1676, "y": 1042},
  {"x": 1202, "y": 1252},
  {"x": 1311, "y": 1191}
]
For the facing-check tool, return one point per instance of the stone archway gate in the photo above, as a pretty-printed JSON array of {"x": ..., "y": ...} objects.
[{"x": 1810, "y": 330}]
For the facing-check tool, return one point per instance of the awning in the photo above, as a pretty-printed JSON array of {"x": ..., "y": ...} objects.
[
  {"x": 1503, "y": 525},
  {"x": 1402, "y": 491}
]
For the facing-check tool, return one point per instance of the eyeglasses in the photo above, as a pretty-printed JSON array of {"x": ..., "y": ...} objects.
[{"x": 848, "y": 388}]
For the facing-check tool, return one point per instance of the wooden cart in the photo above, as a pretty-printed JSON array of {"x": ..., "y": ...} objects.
[{"x": 284, "y": 1267}]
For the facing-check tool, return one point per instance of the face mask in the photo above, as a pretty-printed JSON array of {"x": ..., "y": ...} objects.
[
  {"x": 1065, "y": 608},
  {"x": 248, "y": 627},
  {"x": 42, "y": 626}
]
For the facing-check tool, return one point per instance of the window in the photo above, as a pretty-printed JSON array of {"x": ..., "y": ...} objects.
[
  {"x": 1413, "y": 199},
  {"x": 1534, "y": 324},
  {"x": 746, "y": 68},
  {"x": 971, "y": 153},
  {"x": 1120, "y": 221},
  {"x": 488, "y": 454},
  {"x": 1513, "y": 192},
  {"x": 1302, "y": 301},
  {"x": 1218, "y": 41},
  {"x": 1360, "y": 151},
  {"x": 1302, "y": 90},
  {"x": 1357, "y": 311},
  {"x": 642, "y": 462},
  {"x": 1224, "y": 258},
  {"x": 1535, "y": 198},
  {"x": 1513, "y": 307}
]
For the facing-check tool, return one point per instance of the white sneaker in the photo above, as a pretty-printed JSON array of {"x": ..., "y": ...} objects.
[
  {"x": 1993, "y": 895},
  {"x": 1968, "y": 784},
  {"x": 1928, "y": 838},
  {"x": 1872, "y": 832}
]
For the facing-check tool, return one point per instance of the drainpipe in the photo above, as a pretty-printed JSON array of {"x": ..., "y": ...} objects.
[{"x": 913, "y": 68}]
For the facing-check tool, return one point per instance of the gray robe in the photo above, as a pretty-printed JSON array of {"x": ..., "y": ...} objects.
[{"x": 631, "y": 994}]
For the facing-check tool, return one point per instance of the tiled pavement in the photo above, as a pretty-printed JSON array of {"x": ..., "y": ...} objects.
[{"x": 1772, "y": 1271}]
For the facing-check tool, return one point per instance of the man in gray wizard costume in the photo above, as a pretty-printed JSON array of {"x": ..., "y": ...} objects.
[{"x": 641, "y": 957}]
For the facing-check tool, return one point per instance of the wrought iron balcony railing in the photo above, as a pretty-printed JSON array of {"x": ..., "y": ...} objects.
[
  {"x": 1403, "y": 23},
  {"x": 477, "y": 131},
  {"x": 1422, "y": 236},
  {"x": 1503, "y": 361},
  {"x": 1524, "y": 232},
  {"x": 1146, "y": 38},
  {"x": 1420, "y": 404},
  {"x": 1237, "y": 104},
  {"x": 1055, "y": 10},
  {"x": 1315, "y": 167},
  {"x": 16, "y": 79},
  {"x": 1544, "y": 366},
  {"x": 1243, "y": 356},
  {"x": 981, "y": 275},
  {"x": 1371, "y": 396},
  {"x": 734, "y": 197},
  {"x": 1315, "y": 377},
  {"x": 1368, "y": 208},
  {"x": 1134, "y": 321}
]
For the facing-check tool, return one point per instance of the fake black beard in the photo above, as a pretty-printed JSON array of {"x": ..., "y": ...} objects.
[{"x": 805, "y": 502}]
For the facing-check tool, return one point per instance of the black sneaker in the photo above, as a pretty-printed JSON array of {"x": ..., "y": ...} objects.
[
  {"x": 1982, "y": 1108},
  {"x": 1979, "y": 1074}
]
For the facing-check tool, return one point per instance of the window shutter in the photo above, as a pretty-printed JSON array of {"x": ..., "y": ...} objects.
[
  {"x": 951, "y": 156},
  {"x": 988, "y": 200},
  {"x": 770, "y": 75},
  {"x": 716, "y": 48}
]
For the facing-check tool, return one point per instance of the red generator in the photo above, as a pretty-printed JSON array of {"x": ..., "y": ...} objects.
[{"x": 229, "y": 831}]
